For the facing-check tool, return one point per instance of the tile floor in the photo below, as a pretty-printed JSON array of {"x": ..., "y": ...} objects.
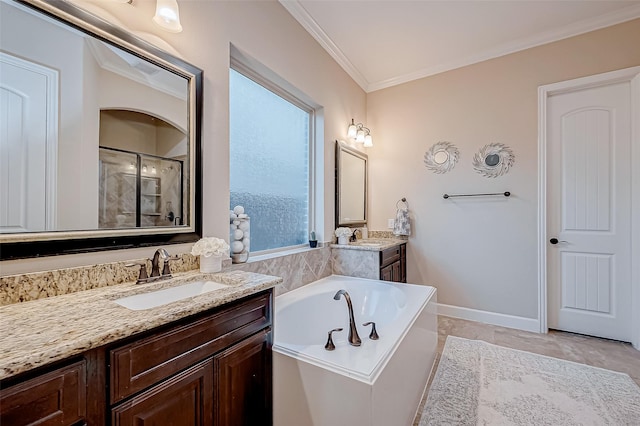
[{"x": 603, "y": 353}]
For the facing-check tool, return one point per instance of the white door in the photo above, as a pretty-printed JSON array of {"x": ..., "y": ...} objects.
[
  {"x": 28, "y": 123},
  {"x": 589, "y": 211}
]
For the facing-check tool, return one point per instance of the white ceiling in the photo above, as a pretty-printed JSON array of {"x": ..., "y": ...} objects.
[{"x": 381, "y": 43}]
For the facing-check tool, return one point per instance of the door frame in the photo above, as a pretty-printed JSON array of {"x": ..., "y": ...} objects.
[
  {"x": 631, "y": 75},
  {"x": 51, "y": 77}
]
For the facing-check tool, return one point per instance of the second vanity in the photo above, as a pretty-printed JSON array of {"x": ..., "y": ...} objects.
[
  {"x": 81, "y": 358},
  {"x": 378, "y": 259}
]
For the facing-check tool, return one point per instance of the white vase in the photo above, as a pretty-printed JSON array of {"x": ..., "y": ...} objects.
[
  {"x": 210, "y": 264},
  {"x": 342, "y": 240}
]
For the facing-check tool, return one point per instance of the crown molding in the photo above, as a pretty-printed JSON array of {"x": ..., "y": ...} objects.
[{"x": 301, "y": 15}]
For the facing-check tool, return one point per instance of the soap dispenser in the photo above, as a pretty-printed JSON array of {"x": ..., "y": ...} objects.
[{"x": 364, "y": 232}]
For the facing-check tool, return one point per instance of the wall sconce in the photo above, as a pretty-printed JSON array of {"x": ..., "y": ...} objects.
[
  {"x": 360, "y": 133},
  {"x": 168, "y": 15}
]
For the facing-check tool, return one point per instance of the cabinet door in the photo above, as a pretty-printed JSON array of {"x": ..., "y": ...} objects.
[
  {"x": 243, "y": 382},
  {"x": 403, "y": 263},
  {"x": 55, "y": 398},
  {"x": 386, "y": 273},
  {"x": 397, "y": 273},
  {"x": 183, "y": 400}
]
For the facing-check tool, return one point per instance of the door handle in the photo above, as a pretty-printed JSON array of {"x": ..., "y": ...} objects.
[{"x": 554, "y": 241}]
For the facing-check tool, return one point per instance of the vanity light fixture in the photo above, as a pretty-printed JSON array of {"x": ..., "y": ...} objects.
[
  {"x": 168, "y": 16},
  {"x": 360, "y": 133}
]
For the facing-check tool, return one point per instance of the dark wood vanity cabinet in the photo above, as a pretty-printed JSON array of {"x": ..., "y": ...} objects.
[
  {"x": 54, "y": 398},
  {"x": 214, "y": 368},
  {"x": 393, "y": 264}
]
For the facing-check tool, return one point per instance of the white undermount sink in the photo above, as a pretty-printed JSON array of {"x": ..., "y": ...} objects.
[
  {"x": 153, "y": 299},
  {"x": 367, "y": 243}
]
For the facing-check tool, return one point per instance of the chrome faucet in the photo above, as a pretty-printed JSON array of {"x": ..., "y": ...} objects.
[
  {"x": 354, "y": 339},
  {"x": 155, "y": 262}
]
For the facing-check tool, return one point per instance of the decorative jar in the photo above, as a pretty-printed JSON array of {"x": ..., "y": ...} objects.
[{"x": 240, "y": 238}]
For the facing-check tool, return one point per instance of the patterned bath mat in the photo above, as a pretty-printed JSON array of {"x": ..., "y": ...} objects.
[{"x": 478, "y": 383}]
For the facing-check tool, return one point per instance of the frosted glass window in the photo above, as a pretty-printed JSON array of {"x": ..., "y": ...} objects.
[{"x": 269, "y": 163}]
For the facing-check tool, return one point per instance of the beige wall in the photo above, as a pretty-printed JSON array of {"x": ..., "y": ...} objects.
[
  {"x": 480, "y": 253},
  {"x": 265, "y": 31}
]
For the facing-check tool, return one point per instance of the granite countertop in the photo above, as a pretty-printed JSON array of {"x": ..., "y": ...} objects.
[
  {"x": 38, "y": 332},
  {"x": 371, "y": 244}
]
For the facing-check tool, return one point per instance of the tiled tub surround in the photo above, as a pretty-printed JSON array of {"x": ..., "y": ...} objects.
[
  {"x": 361, "y": 261},
  {"x": 38, "y": 332},
  {"x": 39, "y": 285},
  {"x": 296, "y": 269}
]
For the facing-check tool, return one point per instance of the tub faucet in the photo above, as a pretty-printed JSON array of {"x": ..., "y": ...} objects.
[{"x": 354, "y": 339}]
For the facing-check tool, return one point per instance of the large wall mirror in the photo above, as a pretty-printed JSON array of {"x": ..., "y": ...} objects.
[
  {"x": 351, "y": 186},
  {"x": 99, "y": 135}
]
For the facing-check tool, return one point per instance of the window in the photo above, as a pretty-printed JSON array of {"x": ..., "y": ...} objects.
[{"x": 270, "y": 145}]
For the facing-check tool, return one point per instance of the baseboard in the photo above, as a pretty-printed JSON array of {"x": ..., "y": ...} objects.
[{"x": 493, "y": 318}]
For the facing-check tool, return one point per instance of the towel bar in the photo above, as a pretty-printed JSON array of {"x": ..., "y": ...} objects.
[{"x": 446, "y": 196}]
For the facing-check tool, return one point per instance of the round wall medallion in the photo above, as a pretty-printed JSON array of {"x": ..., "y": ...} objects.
[
  {"x": 493, "y": 160},
  {"x": 441, "y": 157}
]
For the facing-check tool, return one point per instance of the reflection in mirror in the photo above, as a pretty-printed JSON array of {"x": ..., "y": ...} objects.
[
  {"x": 99, "y": 133},
  {"x": 143, "y": 188},
  {"x": 351, "y": 186}
]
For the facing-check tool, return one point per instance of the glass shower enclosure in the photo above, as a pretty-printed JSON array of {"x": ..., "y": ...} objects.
[{"x": 139, "y": 190}]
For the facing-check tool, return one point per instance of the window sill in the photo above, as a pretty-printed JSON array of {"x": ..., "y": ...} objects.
[{"x": 274, "y": 255}]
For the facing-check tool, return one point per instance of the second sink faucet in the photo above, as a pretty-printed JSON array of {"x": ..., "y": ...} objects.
[{"x": 354, "y": 339}]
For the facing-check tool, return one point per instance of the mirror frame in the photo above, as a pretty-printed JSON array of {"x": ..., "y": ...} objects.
[
  {"x": 343, "y": 147},
  {"x": 37, "y": 244}
]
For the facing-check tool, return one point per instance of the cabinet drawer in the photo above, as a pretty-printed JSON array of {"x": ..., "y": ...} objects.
[
  {"x": 389, "y": 256},
  {"x": 58, "y": 397},
  {"x": 144, "y": 362}
]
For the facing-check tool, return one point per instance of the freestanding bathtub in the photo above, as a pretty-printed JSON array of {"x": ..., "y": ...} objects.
[{"x": 380, "y": 382}]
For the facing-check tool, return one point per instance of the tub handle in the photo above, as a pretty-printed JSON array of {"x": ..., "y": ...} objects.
[
  {"x": 374, "y": 333},
  {"x": 330, "y": 346}
]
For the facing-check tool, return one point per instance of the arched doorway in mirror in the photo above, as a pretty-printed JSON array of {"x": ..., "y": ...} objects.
[{"x": 142, "y": 162}]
